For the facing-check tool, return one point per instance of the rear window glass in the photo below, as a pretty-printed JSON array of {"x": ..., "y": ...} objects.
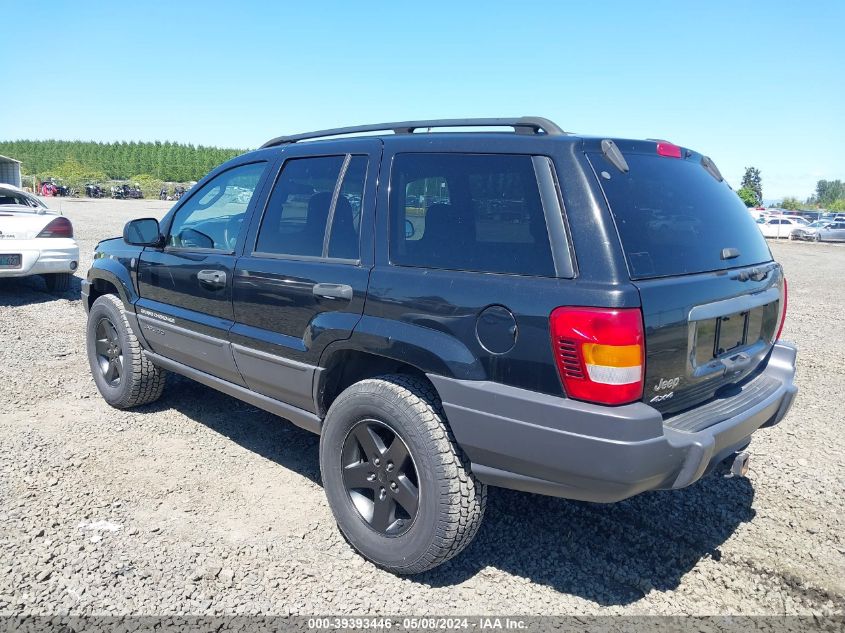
[
  {"x": 674, "y": 218},
  {"x": 475, "y": 212}
]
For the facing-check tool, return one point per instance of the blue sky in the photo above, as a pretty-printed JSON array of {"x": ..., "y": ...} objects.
[{"x": 748, "y": 83}]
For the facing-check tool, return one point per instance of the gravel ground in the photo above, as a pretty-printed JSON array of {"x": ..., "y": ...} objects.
[{"x": 200, "y": 504}]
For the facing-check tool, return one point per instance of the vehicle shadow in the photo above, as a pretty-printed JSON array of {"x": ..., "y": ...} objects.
[
  {"x": 33, "y": 290},
  {"x": 611, "y": 554},
  {"x": 258, "y": 431}
]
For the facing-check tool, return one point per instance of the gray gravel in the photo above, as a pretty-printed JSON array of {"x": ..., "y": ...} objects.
[{"x": 200, "y": 504}]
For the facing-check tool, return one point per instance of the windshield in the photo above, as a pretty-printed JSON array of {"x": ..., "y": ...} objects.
[{"x": 675, "y": 218}]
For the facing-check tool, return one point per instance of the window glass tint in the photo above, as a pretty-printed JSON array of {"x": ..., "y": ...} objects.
[
  {"x": 213, "y": 216},
  {"x": 346, "y": 221},
  {"x": 674, "y": 218},
  {"x": 478, "y": 212},
  {"x": 295, "y": 220}
]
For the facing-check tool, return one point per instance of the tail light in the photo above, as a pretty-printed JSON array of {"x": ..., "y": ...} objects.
[
  {"x": 782, "y": 310},
  {"x": 60, "y": 227},
  {"x": 600, "y": 353}
]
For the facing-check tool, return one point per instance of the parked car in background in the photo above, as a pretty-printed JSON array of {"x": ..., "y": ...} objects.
[
  {"x": 35, "y": 240},
  {"x": 830, "y": 232},
  {"x": 810, "y": 216},
  {"x": 798, "y": 218},
  {"x": 808, "y": 232},
  {"x": 759, "y": 212},
  {"x": 777, "y": 226}
]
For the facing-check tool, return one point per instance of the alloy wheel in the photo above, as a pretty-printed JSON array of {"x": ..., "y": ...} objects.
[
  {"x": 380, "y": 477},
  {"x": 109, "y": 352}
]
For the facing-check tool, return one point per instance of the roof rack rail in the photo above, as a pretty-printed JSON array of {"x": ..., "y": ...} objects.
[{"x": 523, "y": 125}]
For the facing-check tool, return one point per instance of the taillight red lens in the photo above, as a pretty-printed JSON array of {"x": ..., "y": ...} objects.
[
  {"x": 600, "y": 353},
  {"x": 60, "y": 227},
  {"x": 783, "y": 310},
  {"x": 668, "y": 149}
]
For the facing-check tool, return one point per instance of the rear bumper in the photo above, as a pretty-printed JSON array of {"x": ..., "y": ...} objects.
[
  {"x": 539, "y": 443},
  {"x": 42, "y": 256}
]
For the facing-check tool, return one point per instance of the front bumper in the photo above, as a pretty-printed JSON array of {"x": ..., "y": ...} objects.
[
  {"x": 545, "y": 444},
  {"x": 42, "y": 256}
]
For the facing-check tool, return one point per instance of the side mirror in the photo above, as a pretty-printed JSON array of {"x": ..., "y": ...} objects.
[
  {"x": 142, "y": 232},
  {"x": 409, "y": 229}
]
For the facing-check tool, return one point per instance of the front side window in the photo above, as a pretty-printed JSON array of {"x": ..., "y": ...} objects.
[
  {"x": 212, "y": 218},
  {"x": 303, "y": 206},
  {"x": 475, "y": 212}
]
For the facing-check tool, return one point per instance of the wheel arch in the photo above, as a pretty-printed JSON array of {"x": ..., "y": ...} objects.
[
  {"x": 109, "y": 277},
  {"x": 381, "y": 346},
  {"x": 344, "y": 366}
]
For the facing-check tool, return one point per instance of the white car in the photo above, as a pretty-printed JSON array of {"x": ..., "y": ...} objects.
[
  {"x": 35, "y": 240},
  {"x": 799, "y": 219},
  {"x": 777, "y": 226}
]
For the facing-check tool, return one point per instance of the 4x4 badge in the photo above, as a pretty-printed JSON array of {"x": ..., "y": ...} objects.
[{"x": 662, "y": 397}]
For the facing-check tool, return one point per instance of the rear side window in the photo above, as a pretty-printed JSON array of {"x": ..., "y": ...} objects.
[
  {"x": 674, "y": 218},
  {"x": 475, "y": 212},
  {"x": 303, "y": 206}
]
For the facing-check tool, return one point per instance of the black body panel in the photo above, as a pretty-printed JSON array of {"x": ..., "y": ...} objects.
[
  {"x": 287, "y": 309},
  {"x": 272, "y": 329},
  {"x": 677, "y": 311}
]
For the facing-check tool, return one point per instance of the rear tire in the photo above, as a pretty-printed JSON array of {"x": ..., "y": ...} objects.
[
  {"x": 57, "y": 282},
  {"x": 447, "y": 511},
  {"x": 124, "y": 375}
]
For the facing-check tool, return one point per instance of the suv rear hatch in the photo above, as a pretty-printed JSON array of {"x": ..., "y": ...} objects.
[{"x": 711, "y": 294}]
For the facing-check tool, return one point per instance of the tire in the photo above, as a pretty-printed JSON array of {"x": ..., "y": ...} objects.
[
  {"x": 451, "y": 501},
  {"x": 817, "y": 237},
  {"x": 123, "y": 374},
  {"x": 57, "y": 282}
]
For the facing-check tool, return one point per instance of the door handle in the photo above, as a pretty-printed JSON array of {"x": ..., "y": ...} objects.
[
  {"x": 212, "y": 278},
  {"x": 333, "y": 291}
]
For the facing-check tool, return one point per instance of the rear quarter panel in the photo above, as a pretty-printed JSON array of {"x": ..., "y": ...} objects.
[{"x": 430, "y": 317}]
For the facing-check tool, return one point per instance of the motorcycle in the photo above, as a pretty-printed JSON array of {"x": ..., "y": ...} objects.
[
  {"x": 125, "y": 192},
  {"x": 178, "y": 192},
  {"x": 94, "y": 191}
]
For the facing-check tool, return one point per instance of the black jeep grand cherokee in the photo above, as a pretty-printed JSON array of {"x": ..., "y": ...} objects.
[{"x": 581, "y": 317}]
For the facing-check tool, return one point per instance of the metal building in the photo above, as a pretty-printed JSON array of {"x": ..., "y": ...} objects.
[{"x": 10, "y": 171}]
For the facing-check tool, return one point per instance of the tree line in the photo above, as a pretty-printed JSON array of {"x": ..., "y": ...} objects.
[
  {"x": 829, "y": 194},
  {"x": 93, "y": 161}
]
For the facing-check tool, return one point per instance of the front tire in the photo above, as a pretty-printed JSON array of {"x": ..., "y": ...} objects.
[
  {"x": 398, "y": 484},
  {"x": 123, "y": 374},
  {"x": 57, "y": 282}
]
